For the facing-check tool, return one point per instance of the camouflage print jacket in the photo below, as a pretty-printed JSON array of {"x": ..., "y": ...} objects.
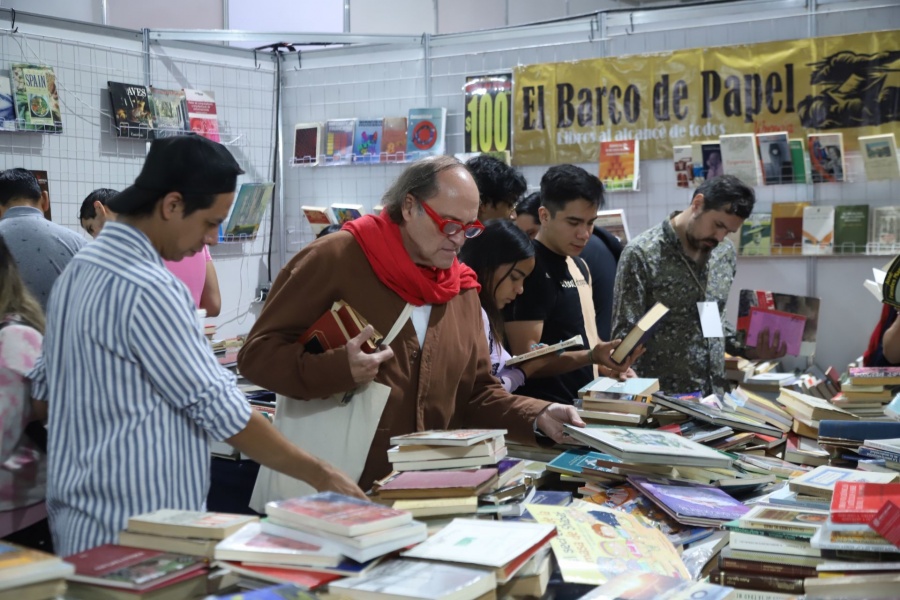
[{"x": 654, "y": 268}]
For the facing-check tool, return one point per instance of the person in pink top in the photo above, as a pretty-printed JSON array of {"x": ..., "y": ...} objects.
[
  {"x": 23, "y": 458},
  {"x": 197, "y": 272}
]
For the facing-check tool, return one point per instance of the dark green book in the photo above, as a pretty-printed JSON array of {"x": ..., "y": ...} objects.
[
  {"x": 851, "y": 228},
  {"x": 798, "y": 158}
]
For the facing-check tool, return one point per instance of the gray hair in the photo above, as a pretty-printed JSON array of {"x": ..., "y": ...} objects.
[{"x": 420, "y": 180}]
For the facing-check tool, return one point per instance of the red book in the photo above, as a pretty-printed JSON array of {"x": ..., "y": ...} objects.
[
  {"x": 336, "y": 513},
  {"x": 335, "y": 328},
  {"x": 438, "y": 484},
  {"x": 860, "y": 502},
  {"x": 132, "y": 568},
  {"x": 887, "y": 522}
]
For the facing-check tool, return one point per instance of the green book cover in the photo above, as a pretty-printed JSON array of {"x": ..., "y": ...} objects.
[
  {"x": 851, "y": 227},
  {"x": 798, "y": 159},
  {"x": 756, "y": 235}
]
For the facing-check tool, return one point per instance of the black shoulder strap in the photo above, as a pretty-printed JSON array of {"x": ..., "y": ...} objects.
[
  {"x": 35, "y": 430},
  {"x": 582, "y": 266}
]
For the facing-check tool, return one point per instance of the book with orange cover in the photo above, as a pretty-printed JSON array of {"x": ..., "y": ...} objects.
[{"x": 335, "y": 328}]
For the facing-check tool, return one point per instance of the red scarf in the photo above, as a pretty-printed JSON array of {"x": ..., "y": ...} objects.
[{"x": 379, "y": 237}]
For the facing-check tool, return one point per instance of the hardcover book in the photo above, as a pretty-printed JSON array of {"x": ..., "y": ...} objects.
[
  {"x": 851, "y": 228},
  {"x": 684, "y": 170},
  {"x": 740, "y": 157},
  {"x": 339, "y": 141},
  {"x": 307, "y": 144},
  {"x": 417, "y": 580},
  {"x": 860, "y": 502},
  {"x": 338, "y": 325},
  {"x": 131, "y": 110},
  {"x": 169, "y": 112},
  {"x": 393, "y": 144},
  {"x": 425, "y": 132},
  {"x": 318, "y": 217},
  {"x": 337, "y": 513},
  {"x": 787, "y": 227},
  {"x": 613, "y": 220},
  {"x": 251, "y": 204},
  {"x": 7, "y": 105},
  {"x": 131, "y": 568},
  {"x": 620, "y": 165},
  {"x": 344, "y": 213},
  {"x": 826, "y": 157},
  {"x": 438, "y": 484},
  {"x": 202, "y": 114},
  {"x": 775, "y": 152},
  {"x": 36, "y": 98},
  {"x": 368, "y": 139},
  {"x": 189, "y": 524},
  {"x": 648, "y": 446},
  {"x": 799, "y": 161},
  {"x": 756, "y": 235},
  {"x": 879, "y": 153},
  {"x": 818, "y": 230},
  {"x": 640, "y": 333},
  {"x": 449, "y": 437}
]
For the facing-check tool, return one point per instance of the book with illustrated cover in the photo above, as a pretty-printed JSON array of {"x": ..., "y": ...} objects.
[
  {"x": 318, "y": 217},
  {"x": 805, "y": 306},
  {"x": 131, "y": 568},
  {"x": 826, "y": 157},
  {"x": 740, "y": 157},
  {"x": 639, "y": 333},
  {"x": 879, "y": 153},
  {"x": 712, "y": 160},
  {"x": 393, "y": 143},
  {"x": 249, "y": 207},
  {"x": 307, "y": 144},
  {"x": 337, "y": 513},
  {"x": 338, "y": 325},
  {"x": 690, "y": 503},
  {"x": 189, "y": 523},
  {"x": 799, "y": 160},
  {"x": 449, "y": 437},
  {"x": 821, "y": 480},
  {"x": 169, "y": 112},
  {"x": 613, "y": 220},
  {"x": 804, "y": 523},
  {"x": 36, "y": 98},
  {"x": 716, "y": 416},
  {"x": 202, "y": 115},
  {"x": 648, "y": 446},
  {"x": 131, "y": 110},
  {"x": 344, "y": 213},
  {"x": 684, "y": 169},
  {"x": 620, "y": 165},
  {"x": 851, "y": 228},
  {"x": 339, "y": 141},
  {"x": 251, "y": 544},
  {"x": 787, "y": 227},
  {"x": 884, "y": 229},
  {"x": 610, "y": 387},
  {"x": 818, "y": 230},
  {"x": 426, "y": 128},
  {"x": 775, "y": 154},
  {"x": 368, "y": 139},
  {"x": 573, "y": 342},
  {"x": 787, "y": 326},
  {"x": 7, "y": 105},
  {"x": 697, "y": 162},
  {"x": 281, "y": 592},
  {"x": 21, "y": 564},
  {"x": 756, "y": 235},
  {"x": 415, "y": 579}
]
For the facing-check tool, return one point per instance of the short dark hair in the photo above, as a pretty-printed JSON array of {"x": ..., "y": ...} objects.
[
  {"x": 192, "y": 202},
  {"x": 18, "y": 184},
  {"x": 562, "y": 184},
  {"x": 328, "y": 229},
  {"x": 498, "y": 183},
  {"x": 728, "y": 194},
  {"x": 529, "y": 205},
  {"x": 101, "y": 195}
]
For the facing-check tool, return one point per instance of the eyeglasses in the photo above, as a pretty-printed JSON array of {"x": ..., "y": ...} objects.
[{"x": 450, "y": 226}]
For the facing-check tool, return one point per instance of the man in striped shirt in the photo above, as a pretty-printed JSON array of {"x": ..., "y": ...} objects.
[{"x": 134, "y": 391}]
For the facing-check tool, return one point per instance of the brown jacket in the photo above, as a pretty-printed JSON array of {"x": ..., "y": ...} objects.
[{"x": 445, "y": 384}]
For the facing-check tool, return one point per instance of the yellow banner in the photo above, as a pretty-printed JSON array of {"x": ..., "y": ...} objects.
[{"x": 848, "y": 84}]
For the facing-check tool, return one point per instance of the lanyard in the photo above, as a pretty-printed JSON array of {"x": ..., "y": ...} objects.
[{"x": 691, "y": 271}]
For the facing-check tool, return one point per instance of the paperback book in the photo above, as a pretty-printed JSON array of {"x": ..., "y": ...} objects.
[
  {"x": 339, "y": 141},
  {"x": 189, "y": 524},
  {"x": 417, "y": 580},
  {"x": 335, "y": 327},
  {"x": 804, "y": 306},
  {"x": 787, "y": 227},
  {"x": 787, "y": 326},
  {"x": 851, "y": 228},
  {"x": 367, "y": 142},
  {"x": 202, "y": 114},
  {"x": 7, "y": 105},
  {"x": 884, "y": 233},
  {"x": 775, "y": 152},
  {"x": 131, "y": 568},
  {"x": 799, "y": 161},
  {"x": 169, "y": 112},
  {"x": 821, "y": 480},
  {"x": 684, "y": 170},
  {"x": 249, "y": 207},
  {"x": 36, "y": 98},
  {"x": 818, "y": 230},
  {"x": 648, "y": 446},
  {"x": 425, "y": 132},
  {"x": 620, "y": 165},
  {"x": 336, "y": 513},
  {"x": 640, "y": 333},
  {"x": 740, "y": 157},
  {"x": 393, "y": 144},
  {"x": 448, "y": 437},
  {"x": 826, "y": 157},
  {"x": 559, "y": 347},
  {"x": 879, "y": 153},
  {"x": 344, "y": 213},
  {"x": 318, "y": 217},
  {"x": 756, "y": 235},
  {"x": 614, "y": 221},
  {"x": 690, "y": 503},
  {"x": 131, "y": 110},
  {"x": 307, "y": 138},
  {"x": 712, "y": 160}
]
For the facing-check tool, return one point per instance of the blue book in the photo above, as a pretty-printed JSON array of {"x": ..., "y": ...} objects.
[
  {"x": 367, "y": 142},
  {"x": 879, "y": 453},
  {"x": 572, "y": 462},
  {"x": 859, "y": 430}
]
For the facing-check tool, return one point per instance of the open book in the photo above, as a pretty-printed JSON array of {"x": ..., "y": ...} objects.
[
  {"x": 640, "y": 333},
  {"x": 544, "y": 350}
]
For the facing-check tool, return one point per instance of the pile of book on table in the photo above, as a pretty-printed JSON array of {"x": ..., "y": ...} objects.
[{"x": 27, "y": 573}]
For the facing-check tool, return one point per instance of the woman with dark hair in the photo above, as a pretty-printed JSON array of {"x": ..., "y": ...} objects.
[
  {"x": 23, "y": 459},
  {"x": 502, "y": 257}
]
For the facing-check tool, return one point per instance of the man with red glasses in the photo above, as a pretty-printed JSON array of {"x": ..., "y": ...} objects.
[{"x": 438, "y": 367}]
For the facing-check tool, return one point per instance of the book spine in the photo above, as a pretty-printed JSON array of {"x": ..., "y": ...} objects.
[
  {"x": 887, "y": 523},
  {"x": 763, "y": 583},
  {"x": 878, "y": 453},
  {"x": 761, "y": 543},
  {"x": 763, "y": 568},
  {"x": 773, "y": 531}
]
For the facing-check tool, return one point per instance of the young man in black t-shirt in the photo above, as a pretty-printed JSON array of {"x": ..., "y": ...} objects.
[{"x": 557, "y": 302}]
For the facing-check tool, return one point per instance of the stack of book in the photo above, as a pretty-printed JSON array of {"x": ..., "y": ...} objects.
[
  {"x": 27, "y": 573},
  {"x": 417, "y": 579},
  {"x": 886, "y": 451},
  {"x": 182, "y": 531},
  {"x": 864, "y": 401},
  {"x": 437, "y": 494},
  {"x": 808, "y": 411},
  {"x": 456, "y": 449},
  {"x": 611, "y": 401}
]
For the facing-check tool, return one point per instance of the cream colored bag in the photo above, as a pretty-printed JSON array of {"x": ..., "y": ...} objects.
[{"x": 338, "y": 433}]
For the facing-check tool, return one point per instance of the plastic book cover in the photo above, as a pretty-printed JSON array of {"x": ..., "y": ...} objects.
[
  {"x": 879, "y": 153},
  {"x": 368, "y": 139},
  {"x": 339, "y": 141},
  {"x": 619, "y": 165},
  {"x": 169, "y": 112},
  {"x": 131, "y": 110},
  {"x": 712, "y": 160},
  {"x": 740, "y": 157},
  {"x": 775, "y": 153},
  {"x": 36, "y": 98},
  {"x": 818, "y": 230},
  {"x": 756, "y": 235},
  {"x": 202, "y": 113},
  {"x": 805, "y": 306},
  {"x": 337, "y": 509},
  {"x": 307, "y": 142},
  {"x": 851, "y": 228},
  {"x": 826, "y": 157},
  {"x": 346, "y": 212},
  {"x": 251, "y": 204},
  {"x": 426, "y": 128},
  {"x": 788, "y": 326}
]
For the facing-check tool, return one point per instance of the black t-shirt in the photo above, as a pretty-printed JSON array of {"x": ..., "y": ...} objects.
[
  {"x": 602, "y": 257},
  {"x": 551, "y": 295}
]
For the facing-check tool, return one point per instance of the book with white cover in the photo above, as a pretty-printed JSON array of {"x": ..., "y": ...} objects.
[
  {"x": 879, "y": 153},
  {"x": 252, "y": 544},
  {"x": 361, "y": 549},
  {"x": 821, "y": 480},
  {"x": 189, "y": 523},
  {"x": 416, "y": 580},
  {"x": 449, "y": 437},
  {"x": 450, "y": 463},
  {"x": 427, "y": 452},
  {"x": 648, "y": 446},
  {"x": 740, "y": 157},
  {"x": 573, "y": 342},
  {"x": 336, "y": 513},
  {"x": 818, "y": 230}
]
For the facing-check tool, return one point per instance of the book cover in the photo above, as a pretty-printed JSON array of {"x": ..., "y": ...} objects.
[
  {"x": 249, "y": 207},
  {"x": 788, "y": 326},
  {"x": 251, "y": 544},
  {"x": 614, "y": 221},
  {"x": 131, "y": 110},
  {"x": 438, "y": 484},
  {"x": 648, "y": 446},
  {"x": 451, "y": 463},
  {"x": 826, "y": 157},
  {"x": 805, "y": 306},
  {"x": 393, "y": 144},
  {"x": 189, "y": 523},
  {"x": 318, "y": 217},
  {"x": 367, "y": 142},
  {"x": 799, "y": 160},
  {"x": 887, "y": 522},
  {"x": 303, "y": 578},
  {"x": 337, "y": 513},
  {"x": 740, "y": 157},
  {"x": 620, "y": 165},
  {"x": 402, "y": 578},
  {"x": 772, "y": 518},
  {"x": 426, "y": 128},
  {"x": 690, "y": 500},
  {"x": 712, "y": 160},
  {"x": 851, "y": 228},
  {"x": 339, "y": 141},
  {"x": 169, "y": 112},
  {"x": 697, "y": 162},
  {"x": 643, "y": 586},
  {"x": 448, "y": 437},
  {"x": 775, "y": 153},
  {"x": 609, "y": 387},
  {"x": 595, "y": 545},
  {"x": 884, "y": 232},
  {"x": 36, "y": 98},
  {"x": 427, "y": 452},
  {"x": 21, "y": 562},
  {"x": 163, "y": 543},
  {"x": 7, "y": 105},
  {"x": 879, "y": 153},
  {"x": 573, "y": 462},
  {"x": 684, "y": 168},
  {"x": 307, "y": 144},
  {"x": 756, "y": 235},
  {"x": 640, "y": 333},
  {"x": 818, "y": 230},
  {"x": 573, "y": 342},
  {"x": 787, "y": 227},
  {"x": 821, "y": 480},
  {"x": 335, "y": 327},
  {"x": 130, "y": 568},
  {"x": 344, "y": 213},
  {"x": 362, "y": 550},
  {"x": 202, "y": 114},
  {"x": 859, "y": 501}
]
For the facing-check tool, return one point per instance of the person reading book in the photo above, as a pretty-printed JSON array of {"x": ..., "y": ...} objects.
[
  {"x": 557, "y": 302},
  {"x": 500, "y": 186},
  {"x": 686, "y": 264},
  {"x": 502, "y": 257},
  {"x": 437, "y": 368},
  {"x": 135, "y": 396}
]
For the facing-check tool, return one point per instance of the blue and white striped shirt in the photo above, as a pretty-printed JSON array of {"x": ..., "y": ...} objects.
[{"x": 134, "y": 392}]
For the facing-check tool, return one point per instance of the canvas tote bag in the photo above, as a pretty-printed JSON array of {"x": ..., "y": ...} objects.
[{"x": 338, "y": 433}]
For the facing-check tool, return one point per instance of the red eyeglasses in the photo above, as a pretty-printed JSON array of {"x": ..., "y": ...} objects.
[{"x": 451, "y": 227}]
